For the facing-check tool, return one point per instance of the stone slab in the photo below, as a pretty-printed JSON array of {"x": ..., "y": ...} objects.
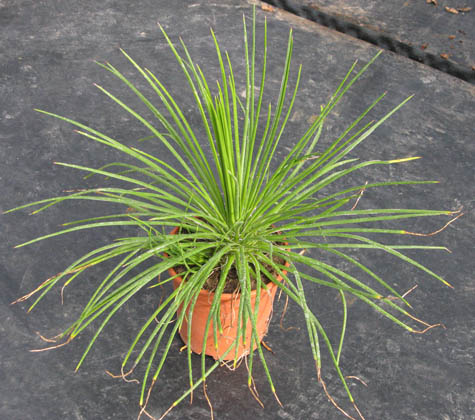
[
  {"x": 46, "y": 61},
  {"x": 439, "y": 33}
]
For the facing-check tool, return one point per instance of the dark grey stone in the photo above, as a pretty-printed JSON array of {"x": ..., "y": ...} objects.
[
  {"x": 46, "y": 61},
  {"x": 439, "y": 33}
]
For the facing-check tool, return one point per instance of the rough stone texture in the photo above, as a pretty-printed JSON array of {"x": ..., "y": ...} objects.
[
  {"x": 46, "y": 61},
  {"x": 427, "y": 32}
]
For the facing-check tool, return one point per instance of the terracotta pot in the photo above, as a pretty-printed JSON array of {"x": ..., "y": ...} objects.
[{"x": 229, "y": 319}]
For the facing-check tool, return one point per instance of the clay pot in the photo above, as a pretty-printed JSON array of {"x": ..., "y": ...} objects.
[{"x": 229, "y": 319}]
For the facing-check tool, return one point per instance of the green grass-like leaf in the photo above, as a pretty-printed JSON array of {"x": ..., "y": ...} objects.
[{"x": 233, "y": 210}]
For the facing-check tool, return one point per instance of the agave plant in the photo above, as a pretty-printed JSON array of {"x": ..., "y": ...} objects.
[{"x": 237, "y": 208}]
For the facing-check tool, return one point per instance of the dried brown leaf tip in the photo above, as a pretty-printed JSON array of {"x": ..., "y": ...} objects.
[
  {"x": 424, "y": 46},
  {"x": 451, "y": 36},
  {"x": 444, "y": 56},
  {"x": 267, "y": 7},
  {"x": 451, "y": 10},
  {"x": 464, "y": 9},
  {"x": 434, "y": 2}
]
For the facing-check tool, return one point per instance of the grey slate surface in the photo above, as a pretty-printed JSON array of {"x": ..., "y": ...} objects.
[
  {"x": 445, "y": 28},
  {"x": 47, "y": 52}
]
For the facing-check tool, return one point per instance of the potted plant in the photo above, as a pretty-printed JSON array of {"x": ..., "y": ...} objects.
[{"x": 231, "y": 224}]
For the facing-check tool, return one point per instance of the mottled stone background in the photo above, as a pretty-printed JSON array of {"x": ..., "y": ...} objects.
[{"x": 47, "y": 53}]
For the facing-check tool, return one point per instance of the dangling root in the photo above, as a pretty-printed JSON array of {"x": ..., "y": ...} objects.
[
  {"x": 280, "y": 292},
  {"x": 52, "y": 347},
  {"x": 266, "y": 346},
  {"x": 409, "y": 291},
  {"x": 48, "y": 340},
  {"x": 277, "y": 399},
  {"x": 147, "y": 414},
  {"x": 28, "y": 295},
  {"x": 358, "y": 411},
  {"x": 404, "y": 294},
  {"x": 252, "y": 387},
  {"x": 428, "y": 328},
  {"x": 420, "y": 321},
  {"x": 169, "y": 322},
  {"x": 459, "y": 214},
  {"x": 230, "y": 363},
  {"x": 283, "y": 314},
  {"x": 358, "y": 379},
  {"x": 254, "y": 394},
  {"x": 330, "y": 398},
  {"x": 166, "y": 412},
  {"x": 425, "y": 323},
  {"x": 360, "y": 194},
  {"x": 143, "y": 409},
  {"x": 124, "y": 375},
  {"x": 62, "y": 293},
  {"x": 208, "y": 400}
]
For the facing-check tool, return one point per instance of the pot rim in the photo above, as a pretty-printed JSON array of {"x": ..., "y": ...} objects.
[{"x": 224, "y": 296}]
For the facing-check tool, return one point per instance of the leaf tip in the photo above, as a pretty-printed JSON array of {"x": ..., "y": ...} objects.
[
  {"x": 402, "y": 160},
  {"x": 448, "y": 284}
]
